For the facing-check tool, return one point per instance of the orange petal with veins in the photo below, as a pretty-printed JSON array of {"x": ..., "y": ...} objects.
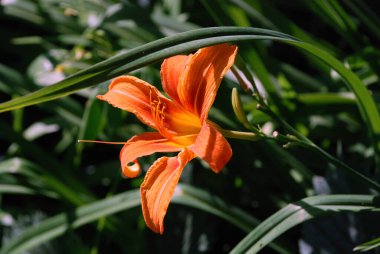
[
  {"x": 142, "y": 145},
  {"x": 212, "y": 147},
  {"x": 133, "y": 95},
  {"x": 202, "y": 76},
  {"x": 158, "y": 188},
  {"x": 171, "y": 71}
]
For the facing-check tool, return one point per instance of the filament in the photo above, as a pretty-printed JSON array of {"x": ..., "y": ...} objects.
[
  {"x": 158, "y": 112},
  {"x": 101, "y": 142}
]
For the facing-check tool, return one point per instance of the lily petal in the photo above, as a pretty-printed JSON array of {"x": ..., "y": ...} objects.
[
  {"x": 202, "y": 76},
  {"x": 132, "y": 94},
  {"x": 158, "y": 188},
  {"x": 150, "y": 106},
  {"x": 171, "y": 71},
  {"x": 142, "y": 145},
  {"x": 212, "y": 147}
]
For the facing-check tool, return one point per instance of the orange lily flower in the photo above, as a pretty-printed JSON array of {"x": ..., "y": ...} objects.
[{"x": 181, "y": 122}]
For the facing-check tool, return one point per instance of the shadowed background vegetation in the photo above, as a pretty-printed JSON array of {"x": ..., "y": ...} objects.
[{"x": 60, "y": 196}]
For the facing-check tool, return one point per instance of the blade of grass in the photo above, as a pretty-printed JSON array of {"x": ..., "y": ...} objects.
[
  {"x": 53, "y": 165},
  {"x": 91, "y": 124},
  {"x": 303, "y": 210},
  {"x": 203, "y": 200},
  {"x": 57, "y": 225},
  {"x": 301, "y": 78},
  {"x": 22, "y": 190},
  {"x": 365, "y": 101},
  {"x": 141, "y": 56},
  {"x": 37, "y": 174},
  {"x": 326, "y": 99},
  {"x": 13, "y": 82},
  {"x": 334, "y": 14},
  {"x": 368, "y": 245},
  {"x": 367, "y": 16},
  {"x": 184, "y": 195},
  {"x": 255, "y": 14}
]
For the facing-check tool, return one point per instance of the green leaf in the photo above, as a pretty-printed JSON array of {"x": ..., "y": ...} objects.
[
  {"x": 329, "y": 99},
  {"x": 67, "y": 185},
  {"x": 368, "y": 245},
  {"x": 22, "y": 190},
  {"x": 366, "y": 15},
  {"x": 200, "y": 199},
  {"x": 303, "y": 210},
  {"x": 92, "y": 119},
  {"x": 54, "y": 185},
  {"x": 57, "y": 225},
  {"x": 185, "y": 195},
  {"x": 93, "y": 122},
  {"x": 365, "y": 101},
  {"x": 141, "y": 56}
]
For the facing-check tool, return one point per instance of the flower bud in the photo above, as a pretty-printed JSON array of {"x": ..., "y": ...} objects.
[{"x": 238, "y": 108}]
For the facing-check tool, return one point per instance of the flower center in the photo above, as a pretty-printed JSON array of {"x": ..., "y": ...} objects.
[{"x": 172, "y": 121}]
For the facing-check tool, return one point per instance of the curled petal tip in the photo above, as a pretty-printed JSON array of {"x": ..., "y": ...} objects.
[{"x": 131, "y": 170}]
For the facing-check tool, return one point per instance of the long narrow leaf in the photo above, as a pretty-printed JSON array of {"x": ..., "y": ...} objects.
[
  {"x": 368, "y": 245},
  {"x": 141, "y": 56},
  {"x": 19, "y": 189},
  {"x": 365, "y": 101},
  {"x": 57, "y": 170},
  {"x": 303, "y": 210},
  {"x": 185, "y": 195},
  {"x": 57, "y": 225}
]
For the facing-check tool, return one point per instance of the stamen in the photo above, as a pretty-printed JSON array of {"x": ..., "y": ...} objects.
[
  {"x": 101, "y": 142},
  {"x": 158, "y": 112}
]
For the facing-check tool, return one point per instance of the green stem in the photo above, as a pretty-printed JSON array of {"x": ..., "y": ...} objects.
[
  {"x": 307, "y": 143},
  {"x": 300, "y": 140},
  {"x": 339, "y": 164},
  {"x": 264, "y": 108}
]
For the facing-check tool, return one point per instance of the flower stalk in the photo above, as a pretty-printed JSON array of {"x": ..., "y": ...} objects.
[{"x": 295, "y": 138}]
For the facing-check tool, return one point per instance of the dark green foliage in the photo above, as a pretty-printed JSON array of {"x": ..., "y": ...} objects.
[{"x": 316, "y": 63}]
